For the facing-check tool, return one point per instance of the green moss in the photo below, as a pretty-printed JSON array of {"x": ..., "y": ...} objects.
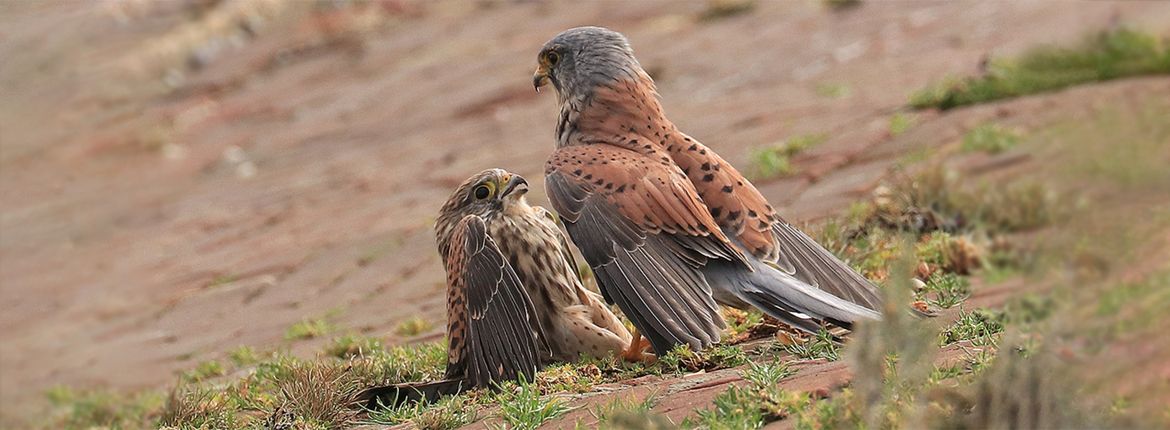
[{"x": 1104, "y": 56}]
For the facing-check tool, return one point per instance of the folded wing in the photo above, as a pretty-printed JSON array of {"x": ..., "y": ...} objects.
[
  {"x": 640, "y": 226},
  {"x": 498, "y": 344}
]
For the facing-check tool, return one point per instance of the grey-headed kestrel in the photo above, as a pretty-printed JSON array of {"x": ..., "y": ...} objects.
[
  {"x": 493, "y": 331},
  {"x": 667, "y": 225}
]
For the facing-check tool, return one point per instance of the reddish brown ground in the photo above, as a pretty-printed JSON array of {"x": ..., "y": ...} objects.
[{"x": 146, "y": 228}]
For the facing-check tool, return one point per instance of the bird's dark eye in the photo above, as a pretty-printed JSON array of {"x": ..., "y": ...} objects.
[
  {"x": 553, "y": 57},
  {"x": 482, "y": 192}
]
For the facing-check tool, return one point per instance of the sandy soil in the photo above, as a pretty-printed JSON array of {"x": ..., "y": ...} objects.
[{"x": 177, "y": 182}]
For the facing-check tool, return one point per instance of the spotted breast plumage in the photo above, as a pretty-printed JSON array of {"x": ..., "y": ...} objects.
[{"x": 669, "y": 227}]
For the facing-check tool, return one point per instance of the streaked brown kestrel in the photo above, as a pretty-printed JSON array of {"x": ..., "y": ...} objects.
[
  {"x": 573, "y": 320},
  {"x": 668, "y": 226},
  {"x": 493, "y": 333}
]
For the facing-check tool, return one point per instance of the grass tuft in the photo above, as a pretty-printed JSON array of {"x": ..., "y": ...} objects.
[
  {"x": 838, "y": 5},
  {"x": 193, "y": 407},
  {"x": 776, "y": 161},
  {"x": 833, "y": 90},
  {"x": 1103, "y": 56},
  {"x": 244, "y": 356},
  {"x": 900, "y": 123},
  {"x": 979, "y": 326},
  {"x": 205, "y": 370},
  {"x": 101, "y": 409},
  {"x": 818, "y": 347},
  {"x": 522, "y": 407},
  {"x": 945, "y": 290},
  {"x": 353, "y": 346},
  {"x": 623, "y": 409},
  {"x": 413, "y": 326},
  {"x": 683, "y": 359},
  {"x": 308, "y": 329},
  {"x": 720, "y": 9},
  {"x": 990, "y": 138},
  {"x": 448, "y": 413}
]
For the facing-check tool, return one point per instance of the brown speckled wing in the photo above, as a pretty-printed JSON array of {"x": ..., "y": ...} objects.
[
  {"x": 740, "y": 209},
  {"x": 640, "y": 226},
  {"x": 489, "y": 312}
]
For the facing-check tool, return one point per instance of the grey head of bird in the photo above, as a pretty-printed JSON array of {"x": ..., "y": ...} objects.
[
  {"x": 487, "y": 194},
  {"x": 579, "y": 59}
]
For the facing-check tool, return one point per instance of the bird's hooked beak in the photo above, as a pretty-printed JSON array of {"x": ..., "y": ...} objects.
[
  {"x": 513, "y": 184},
  {"x": 540, "y": 78}
]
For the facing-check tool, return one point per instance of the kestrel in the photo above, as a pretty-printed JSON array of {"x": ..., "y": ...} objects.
[
  {"x": 493, "y": 332},
  {"x": 668, "y": 226},
  {"x": 572, "y": 320}
]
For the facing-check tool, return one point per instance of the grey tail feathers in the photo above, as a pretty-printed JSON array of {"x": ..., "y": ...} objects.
[{"x": 787, "y": 298}]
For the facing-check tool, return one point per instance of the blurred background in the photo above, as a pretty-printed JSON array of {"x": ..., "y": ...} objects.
[{"x": 180, "y": 178}]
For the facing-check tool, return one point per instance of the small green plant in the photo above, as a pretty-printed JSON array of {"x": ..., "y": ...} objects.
[
  {"x": 821, "y": 346},
  {"x": 205, "y": 370},
  {"x": 620, "y": 406},
  {"x": 752, "y": 406},
  {"x": 775, "y": 161},
  {"x": 101, "y": 409},
  {"x": 720, "y": 9},
  {"x": 350, "y": 346},
  {"x": 448, "y": 413},
  {"x": 522, "y": 407},
  {"x": 683, "y": 359},
  {"x": 570, "y": 377},
  {"x": 945, "y": 290},
  {"x": 767, "y": 374},
  {"x": 308, "y": 329},
  {"x": 735, "y": 408},
  {"x": 990, "y": 138},
  {"x": 222, "y": 279},
  {"x": 900, "y": 123},
  {"x": 833, "y": 90},
  {"x": 413, "y": 326},
  {"x": 741, "y": 321},
  {"x": 942, "y": 373},
  {"x": 979, "y": 325},
  {"x": 842, "y": 4},
  {"x": 192, "y": 407},
  {"x": 244, "y": 356}
]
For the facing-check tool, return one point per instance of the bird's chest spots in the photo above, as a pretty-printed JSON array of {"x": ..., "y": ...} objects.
[{"x": 534, "y": 250}]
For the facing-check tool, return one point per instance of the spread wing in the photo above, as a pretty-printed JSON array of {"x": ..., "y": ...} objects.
[
  {"x": 641, "y": 227},
  {"x": 490, "y": 313},
  {"x": 738, "y": 207}
]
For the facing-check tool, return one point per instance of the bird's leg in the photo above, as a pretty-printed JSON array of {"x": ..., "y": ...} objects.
[{"x": 638, "y": 351}]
